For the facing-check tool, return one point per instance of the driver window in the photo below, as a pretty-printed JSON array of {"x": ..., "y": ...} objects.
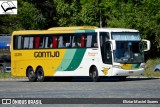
[
  {"x": 106, "y": 53},
  {"x": 105, "y": 48},
  {"x": 104, "y": 37}
]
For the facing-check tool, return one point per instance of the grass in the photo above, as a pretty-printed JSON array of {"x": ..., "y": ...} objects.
[
  {"x": 4, "y": 75},
  {"x": 147, "y": 73},
  {"x": 150, "y": 64},
  {"x": 7, "y": 75}
]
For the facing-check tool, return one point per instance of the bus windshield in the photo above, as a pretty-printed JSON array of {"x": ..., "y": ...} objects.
[
  {"x": 129, "y": 47},
  {"x": 128, "y": 52}
]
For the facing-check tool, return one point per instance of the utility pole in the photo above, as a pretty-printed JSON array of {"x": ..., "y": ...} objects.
[
  {"x": 100, "y": 19},
  {"x": 100, "y": 14}
]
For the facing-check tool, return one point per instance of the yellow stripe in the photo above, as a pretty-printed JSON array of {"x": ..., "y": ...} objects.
[{"x": 126, "y": 66}]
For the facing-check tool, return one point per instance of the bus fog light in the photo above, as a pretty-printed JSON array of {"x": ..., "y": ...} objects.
[{"x": 117, "y": 66}]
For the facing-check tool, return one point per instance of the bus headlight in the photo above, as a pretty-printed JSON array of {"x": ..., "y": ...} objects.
[
  {"x": 142, "y": 66},
  {"x": 117, "y": 66}
]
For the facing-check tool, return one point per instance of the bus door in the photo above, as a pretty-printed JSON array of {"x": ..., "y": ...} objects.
[{"x": 106, "y": 51}]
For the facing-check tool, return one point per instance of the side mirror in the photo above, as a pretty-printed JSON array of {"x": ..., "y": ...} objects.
[
  {"x": 113, "y": 42},
  {"x": 147, "y": 44}
]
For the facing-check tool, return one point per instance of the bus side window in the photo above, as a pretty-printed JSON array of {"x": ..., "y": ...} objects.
[
  {"x": 83, "y": 40},
  {"x": 48, "y": 42},
  {"x": 36, "y": 42},
  {"x": 31, "y": 42},
  {"x": 94, "y": 42},
  {"x": 67, "y": 41},
  {"x": 76, "y": 41},
  {"x": 89, "y": 41},
  {"x": 60, "y": 42},
  {"x": 17, "y": 43},
  {"x": 41, "y": 42},
  {"x": 54, "y": 42},
  {"x": 26, "y": 43}
]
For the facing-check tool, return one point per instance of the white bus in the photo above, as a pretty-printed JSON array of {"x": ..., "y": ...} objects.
[{"x": 78, "y": 51}]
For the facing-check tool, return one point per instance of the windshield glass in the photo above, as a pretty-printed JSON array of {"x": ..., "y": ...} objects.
[
  {"x": 126, "y": 36},
  {"x": 128, "y": 52},
  {"x": 128, "y": 47}
]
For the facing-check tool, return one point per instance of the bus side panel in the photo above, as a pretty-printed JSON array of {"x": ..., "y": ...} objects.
[
  {"x": 49, "y": 60},
  {"x": 79, "y": 64}
]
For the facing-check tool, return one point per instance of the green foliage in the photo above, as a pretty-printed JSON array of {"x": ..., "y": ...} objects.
[
  {"x": 89, "y": 14},
  {"x": 150, "y": 64},
  {"x": 28, "y": 18},
  {"x": 143, "y": 15}
]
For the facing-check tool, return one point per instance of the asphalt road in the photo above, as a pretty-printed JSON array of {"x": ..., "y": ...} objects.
[{"x": 82, "y": 88}]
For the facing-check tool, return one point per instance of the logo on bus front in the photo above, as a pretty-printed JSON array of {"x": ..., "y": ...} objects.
[{"x": 42, "y": 54}]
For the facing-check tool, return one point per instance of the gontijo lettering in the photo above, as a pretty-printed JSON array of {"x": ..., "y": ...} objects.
[{"x": 40, "y": 54}]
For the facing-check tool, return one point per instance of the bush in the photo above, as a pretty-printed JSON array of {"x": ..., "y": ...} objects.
[{"x": 150, "y": 64}]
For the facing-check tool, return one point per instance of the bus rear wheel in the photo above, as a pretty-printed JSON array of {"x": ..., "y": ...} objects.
[
  {"x": 40, "y": 75},
  {"x": 31, "y": 75},
  {"x": 94, "y": 75}
]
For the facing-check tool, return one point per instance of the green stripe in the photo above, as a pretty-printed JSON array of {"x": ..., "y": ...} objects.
[
  {"x": 78, "y": 56},
  {"x": 135, "y": 65},
  {"x": 84, "y": 31},
  {"x": 68, "y": 57}
]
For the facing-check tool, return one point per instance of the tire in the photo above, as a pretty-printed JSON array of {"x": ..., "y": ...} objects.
[
  {"x": 94, "y": 75},
  {"x": 31, "y": 75},
  {"x": 40, "y": 75},
  {"x": 122, "y": 78}
]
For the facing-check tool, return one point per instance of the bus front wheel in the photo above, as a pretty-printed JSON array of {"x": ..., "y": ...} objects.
[
  {"x": 31, "y": 75},
  {"x": 94, "y": 75},
  {"x": 40, "y": 75}
]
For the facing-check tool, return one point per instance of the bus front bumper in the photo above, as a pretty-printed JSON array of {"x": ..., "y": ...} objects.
[{"x": 123, "y": 72}]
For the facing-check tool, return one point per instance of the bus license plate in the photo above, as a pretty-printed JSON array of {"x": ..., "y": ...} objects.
[{"x": 130, "y": 72}]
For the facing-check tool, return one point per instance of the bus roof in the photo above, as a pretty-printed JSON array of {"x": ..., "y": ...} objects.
[
  {"x": 28, "y": 32},
  {"x": 116, "y": 30},
  {"x": 73, "y": 28},
  {"x": 57, "y": 30},
  {"x": 79, "y": 29}
]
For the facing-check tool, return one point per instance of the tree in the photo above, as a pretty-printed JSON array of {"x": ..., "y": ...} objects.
[{"x": 28, "y": 17}]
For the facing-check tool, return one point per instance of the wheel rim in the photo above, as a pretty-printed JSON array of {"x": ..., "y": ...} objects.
[
  {"x": 40, "y": 75},
  {"x": 94, "y": 75},
  {"x": 31, "y": 75}
]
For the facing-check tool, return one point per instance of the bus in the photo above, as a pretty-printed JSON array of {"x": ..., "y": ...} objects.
[{"x": 63, "y": 52}]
